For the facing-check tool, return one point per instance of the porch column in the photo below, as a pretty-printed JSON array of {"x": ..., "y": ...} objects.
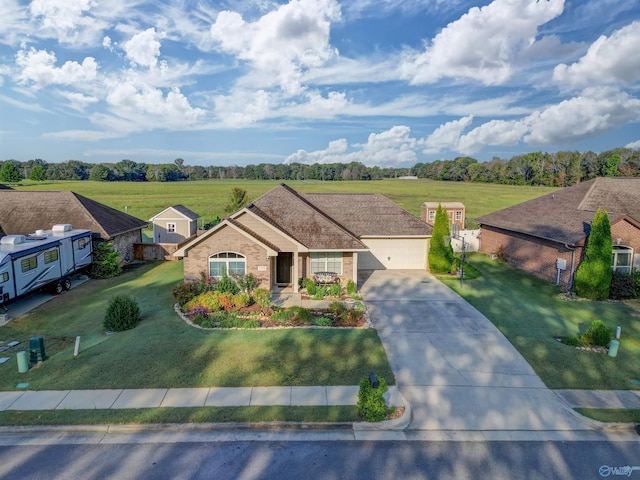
[
  {"x": 355, "y": 268},
  {"x": 294, "y": 280}
]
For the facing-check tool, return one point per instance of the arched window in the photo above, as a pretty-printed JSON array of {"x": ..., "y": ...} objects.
[
  {"x": 622, "y": 259},
  {"x": 230, "y": 262}
]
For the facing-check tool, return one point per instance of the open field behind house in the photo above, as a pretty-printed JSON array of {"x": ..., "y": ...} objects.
[
  {"x": 164, "y": 352},
  {"x": 532, "y": 314},
  {"x": 208, "y": 197}
]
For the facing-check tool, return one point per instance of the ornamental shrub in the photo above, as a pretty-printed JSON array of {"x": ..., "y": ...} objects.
[
  {"x": 623, "y": 285},
  {"x": 335, "y": 290},
  {"x": 597, "y": 334},
  {"x": 593, "y": 277},
  {"x": 122, "y": 314},
  {"x": 184, "y": 292},
  {"x": 311, "y": 286},
  {"x": 351, "y": 287},
  {"x": 262, "y": 297},
  {"x": 371, "y": 404},
  {"x": 227, "y": 285},
  {"x": 241, "y": 299},
  {"x": 440, "y": 256}
]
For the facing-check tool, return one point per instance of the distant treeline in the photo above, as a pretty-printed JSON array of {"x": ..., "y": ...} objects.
[{"x": 559, "y": 169}]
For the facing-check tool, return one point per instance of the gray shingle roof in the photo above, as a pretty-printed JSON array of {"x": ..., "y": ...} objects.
[
  {"x": 190, "y": 214},
  {"x": 25, "y": 212},
  {"x": 284, "y": 208},
  {"x": 369, "y": 214},
  {"x": 565, "y": 216}
]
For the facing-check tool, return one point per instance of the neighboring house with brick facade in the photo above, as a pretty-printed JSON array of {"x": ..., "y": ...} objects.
[
  {"x": 547, "y": 235},
  {"x": 24, "y": 212},
  {"x": 285, "y": 235}
]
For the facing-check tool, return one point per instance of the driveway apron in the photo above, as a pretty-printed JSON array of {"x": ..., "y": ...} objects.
[{"x": 452, "y": 364}]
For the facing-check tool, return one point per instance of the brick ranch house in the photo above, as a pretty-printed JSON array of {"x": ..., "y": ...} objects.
[
  {"x": 24, "y": 212},
  {"x": 551, "y": 231},
  {"x": 285, "y": 235}
]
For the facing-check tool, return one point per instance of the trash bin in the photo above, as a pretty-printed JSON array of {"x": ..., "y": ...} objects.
[
  {"x": 23, "y": 366},
  {"x": 613, "y": 348}
]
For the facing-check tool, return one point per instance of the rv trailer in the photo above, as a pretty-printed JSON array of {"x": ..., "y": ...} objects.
[{"x": 44, "y": 259}]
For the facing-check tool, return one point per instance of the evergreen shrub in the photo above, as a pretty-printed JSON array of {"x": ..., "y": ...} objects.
[{"x": 122, "y": 314}]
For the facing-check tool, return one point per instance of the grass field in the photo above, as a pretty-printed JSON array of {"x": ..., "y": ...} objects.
[
  {"x": 532, "y": 314},
  {"x": 208, "y": 197},
  {"x": 164, "y": 352}
]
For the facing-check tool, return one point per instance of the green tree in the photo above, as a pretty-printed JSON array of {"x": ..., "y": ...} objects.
[
  {"x": 593, "y": 277},
  {"x": 100, "y": 173},
  {"x": 440, "y": 255},
  {"x": 237, "y": 200},
  {"x": 10, "y": 173},
  {"x": 38, "y": 173}
]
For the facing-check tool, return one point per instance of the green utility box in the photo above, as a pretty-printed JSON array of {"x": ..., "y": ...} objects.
[
  {"x": 36, "y": 347},
  {"x": 23, "y": 366}
]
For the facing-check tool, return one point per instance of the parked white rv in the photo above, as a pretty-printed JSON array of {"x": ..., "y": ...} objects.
[{"x": 45, "y": 259}]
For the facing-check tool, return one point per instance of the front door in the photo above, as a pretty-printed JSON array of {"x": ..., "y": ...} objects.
[{"x": 284, "y": 261}]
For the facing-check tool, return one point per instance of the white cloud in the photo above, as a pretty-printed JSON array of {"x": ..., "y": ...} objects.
[
  {"x": 483, "y": 44},
  {"x": 38, "y": 68},
  {"x": 446, "y": 136},
  {"x": 143, "y": 48},
  {"x": 281, "y": 44},
  {"x": 242, "y": 108},
  {"x": 146, "y": 108},
  {"x": 593, "y": 112},
  {"x": 67, "y": 20},
  {"x": 609, "y": 60},
  {"x": 392, "y": 147},
  {"x": 78, "y": 101},
  {"x": 495, "y": 132},
  {"x": 12, "y": 25},
  {"x": 316, "y": 106},
  {"x": 633, "y": 145}
]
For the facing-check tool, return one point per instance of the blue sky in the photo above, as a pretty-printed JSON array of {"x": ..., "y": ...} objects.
[{"x": 386, "y": 82}]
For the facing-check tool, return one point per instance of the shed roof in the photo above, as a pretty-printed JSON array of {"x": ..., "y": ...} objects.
[
  {"x": 182, "y": 210},
  {"x": 25, "y": 212}
]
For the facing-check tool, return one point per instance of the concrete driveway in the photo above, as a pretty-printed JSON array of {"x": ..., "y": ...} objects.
[{"x": 452, "y": 364}]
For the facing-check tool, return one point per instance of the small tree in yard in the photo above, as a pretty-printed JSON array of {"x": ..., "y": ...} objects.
[
  {"x": 593, "y": 277},
  {"x": 122, "y": 314},
  {"x": 106, "y": 262},
  {"x": 440, "y": 254},
  {"x": 9, "y": 173}
]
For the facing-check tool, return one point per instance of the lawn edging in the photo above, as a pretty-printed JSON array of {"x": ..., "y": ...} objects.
[{"x": 188, "y": 321}]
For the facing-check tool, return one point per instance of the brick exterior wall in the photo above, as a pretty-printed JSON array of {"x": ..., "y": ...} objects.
[
  {"x": 228, "y": 239},
  {"x": 536, "y": 256}
]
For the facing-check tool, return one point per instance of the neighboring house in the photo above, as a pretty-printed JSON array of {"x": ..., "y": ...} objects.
[
  {"x": 24, "y": 212},
  {"x": 285, "y": 235},
  {"x": 455, "y": 211},
  {"x": 174, "y": 224},
  {"x": 547, "y": 235}
]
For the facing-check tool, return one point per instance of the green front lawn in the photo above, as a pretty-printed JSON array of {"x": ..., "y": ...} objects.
[
  {"x": 531, "y": 313},
  {"x": 164, "y": 352}
]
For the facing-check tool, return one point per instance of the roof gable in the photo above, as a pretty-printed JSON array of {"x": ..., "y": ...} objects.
[
  {"x": 300, "y": 219},
  {"x": 25, "y": 212},
  {"x": 180, "y": 210}
]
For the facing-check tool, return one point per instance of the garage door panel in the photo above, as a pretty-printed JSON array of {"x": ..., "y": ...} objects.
[{"x": 394, "y": 254}]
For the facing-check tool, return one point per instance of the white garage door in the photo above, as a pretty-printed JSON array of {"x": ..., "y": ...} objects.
[{"x": 393, "y": 254}]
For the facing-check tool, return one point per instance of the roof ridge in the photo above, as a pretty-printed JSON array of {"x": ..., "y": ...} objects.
[
  {"x": 317, "y": 209},
  {"x": 78, "y": 197},
  {"x": 255, "y": 235},
  {"x": 587, "y": 194}
]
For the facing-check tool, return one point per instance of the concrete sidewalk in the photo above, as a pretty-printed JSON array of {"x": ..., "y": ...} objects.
[
  {"x": 628, "y": 399},
  {"x": 185, "y": 397}
]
